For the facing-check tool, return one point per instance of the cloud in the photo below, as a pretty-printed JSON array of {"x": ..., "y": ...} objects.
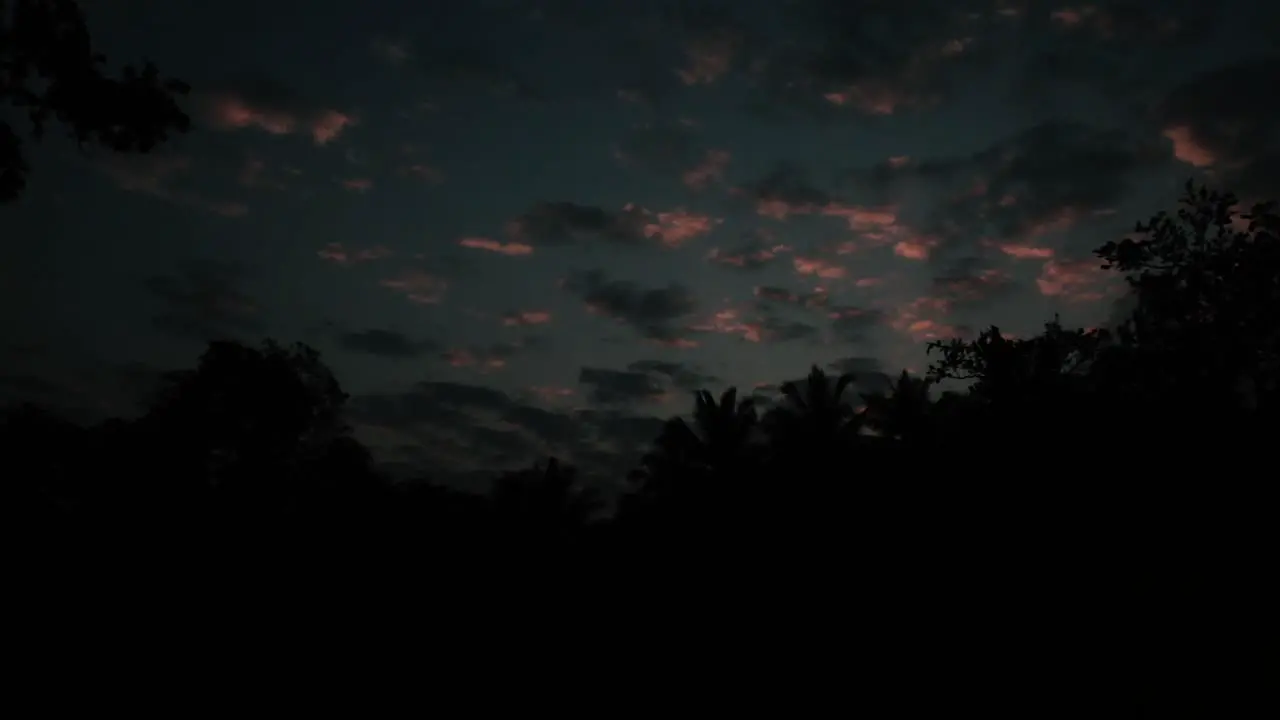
[
  {"x": 165, "y": 176},
  {"x": 513, "y": 249},
  {"x": 562, "y": 223},
  {"x": 418, "y": 286},
  {"x": 383, "y": 343},
  {"x": 483, "y": 357},
  {"x": 337, "y": 253},
  {"x": 710, "y": 169},
  {"x": 255, "y": 101},
  {"x": 1224, "y": 119},
  {"x": 525, "y": 317},
  {"x": 205, "y": 301},
  {"x": 679, "y": 375},
  {"x": 663, "y": 147},
  {"x": 653, "y": 312},
  {"x": 758, "y": 249},
  {"x": 611, "y": 387},
  {"x": 1021, "y": 192},
  {"x": 854, "y": 324}
]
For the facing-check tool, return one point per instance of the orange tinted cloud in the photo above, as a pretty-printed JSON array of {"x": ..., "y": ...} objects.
[{"x": 510, "y": 248}]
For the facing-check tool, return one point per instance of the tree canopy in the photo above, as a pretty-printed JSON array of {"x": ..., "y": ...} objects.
[{"x": 50, "y": 71}]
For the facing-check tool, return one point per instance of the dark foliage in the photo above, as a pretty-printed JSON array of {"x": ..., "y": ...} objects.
[
  {"x": 50, "y": 71},
  {"x": 1095, "y": 499}
]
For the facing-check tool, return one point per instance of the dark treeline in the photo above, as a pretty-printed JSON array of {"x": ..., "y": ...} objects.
[{"x": 1114, "y": 474}]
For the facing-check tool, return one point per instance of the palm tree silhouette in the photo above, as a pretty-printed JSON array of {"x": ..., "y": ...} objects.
[
  {"x": 813, "y": 414},
  {"x": 905, "y": 412}
]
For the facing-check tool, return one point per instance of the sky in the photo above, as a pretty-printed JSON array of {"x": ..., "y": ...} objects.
[{"x": 523, "y": 228}]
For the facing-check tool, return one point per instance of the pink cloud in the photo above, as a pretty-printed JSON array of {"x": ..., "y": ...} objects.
[
  {"x": 335, "y": 252},
  {"x": 512, "y": 248},
  {"x": 1026, "y": 252},
  {"x": 526, "y": 317},
  {"x": 1186, "y": 149},
  {"x": 922, "y": 319},
  {"x": 870, "y": 98},
  {"x": 818, "y": 267},
  {"x": 358, "y": 184},
  {"x": 743, "y": 259},
  {"x": 228, "y": 111},
  {"x": 708, "y": 59},
  {"x": 157, "y": 174},
  {"x": 711, "y": 168},
  {"x": 418, "y": 287},
  {"x": 1072, "y": 17},
  {"x": 678, "y": 227},
  {"x": 461, "y": 357},
  {"x": 915, "y": 248},
  {"x": 1080, "y": 280},
  {"x": 728, "y": 322},
  {"x": 551, "y": 393},
  {"x": 425, "y": 172}
]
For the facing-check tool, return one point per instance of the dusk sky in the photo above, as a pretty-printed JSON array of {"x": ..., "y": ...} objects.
[{"x": 529, "y": 227}]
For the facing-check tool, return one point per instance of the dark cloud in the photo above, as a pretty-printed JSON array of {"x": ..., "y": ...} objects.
[
  {"x": 779, "y": 330},
  {"x": 205, "y": 301},
  {"x": 679, "y": 375},
  {"x": 660, "y": 147},
  {"x": 562, "y": 223},
  {"x": 1229, "y": 113},
  {"x": 652, "y": 312},
  {"x": 1050, "y": 176},
  {"x": 777, "y": 295},
  {"x": 492, "y": 355},
  {"x": 383, "y": 343},
  {"x": 854, "y": 325},
  {"x": 970, "y": 283},
  {"x": 787, "y": 183},
  {"x": 611, "y": 387}
]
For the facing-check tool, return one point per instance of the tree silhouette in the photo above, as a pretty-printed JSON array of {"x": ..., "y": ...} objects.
[
  {"x": 48, "y": 68},
  {"x": 248, "y": 422},
  {"x": 904, "y": 412},
  {"x": 813, "y": 421}
]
